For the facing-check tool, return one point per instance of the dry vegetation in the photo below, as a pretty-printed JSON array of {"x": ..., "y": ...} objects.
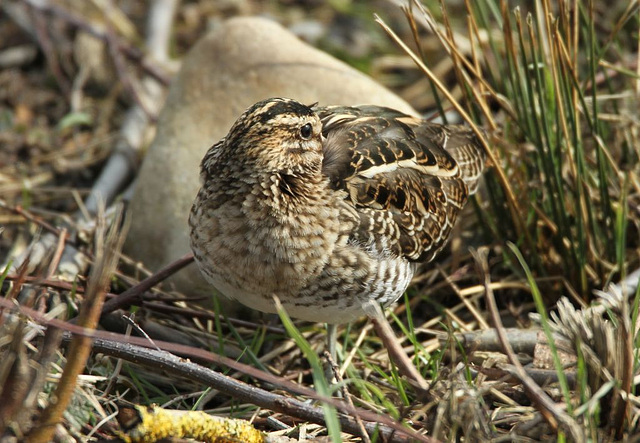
[{"x": 557, "y": 88}]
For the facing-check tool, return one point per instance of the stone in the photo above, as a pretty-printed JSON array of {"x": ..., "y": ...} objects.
[{"x": 242, "y": 61}]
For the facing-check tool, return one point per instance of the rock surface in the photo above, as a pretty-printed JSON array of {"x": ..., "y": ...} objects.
[{"x": 241, "y": 62}]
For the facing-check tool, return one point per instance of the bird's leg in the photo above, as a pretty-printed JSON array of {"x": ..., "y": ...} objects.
[
  {"x": 331, "y": 371},
  {"x": 332, "y": 341}
]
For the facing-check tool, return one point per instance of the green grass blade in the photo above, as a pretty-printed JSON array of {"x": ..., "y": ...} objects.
[
  {"x": 537, "y": 298},
  {"x": 321, "y": 384}
]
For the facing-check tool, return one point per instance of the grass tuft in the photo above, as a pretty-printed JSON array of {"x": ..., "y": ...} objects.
[{"x": 564, "y": 146}]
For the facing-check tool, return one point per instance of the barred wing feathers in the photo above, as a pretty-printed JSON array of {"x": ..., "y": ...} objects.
[{"x": 406, "y": 177}]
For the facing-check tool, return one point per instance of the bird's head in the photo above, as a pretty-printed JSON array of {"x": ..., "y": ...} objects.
[{"x": 276, "y": 135}]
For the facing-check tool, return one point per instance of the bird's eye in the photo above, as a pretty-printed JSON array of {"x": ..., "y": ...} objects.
[{"x": 306, "y": 131}]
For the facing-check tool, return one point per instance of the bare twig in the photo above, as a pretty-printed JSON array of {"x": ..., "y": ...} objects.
[
  {"x": 132, "y": 294},
  {"x": 396, "y": 353},
  {"x": 540, "y": 376},
  {"x": 20, "y": 278},
  {"x": 522, "y": 341},
  {"x": 31, "y": 217},
  {"x": 147, "y": 299},
  {"x": 161, "y": 360},
  {"x": 125, "y": 77},
  {"x": 55, "y": 260},
  {"x": 159, "y": 27}
]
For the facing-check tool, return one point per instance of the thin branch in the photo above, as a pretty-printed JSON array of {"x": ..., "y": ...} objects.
[
  {"x": 396, "y": 353},
  {"x": 540, "y": 376},
  {"x": 164, "y": 361},
  {"x": 19, "y": 210},
  {"x": 522, "y": 341},
  {"x": 159, "y": 29},
  {"x": 125, "y": 77},
  {"x": 122, "y": 164},
  {"x": 134, "y": 293},
  {"x": 55, "y": 260}
]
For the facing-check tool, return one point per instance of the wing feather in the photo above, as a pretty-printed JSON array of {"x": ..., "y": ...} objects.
[{"x": 406, "y": 177}]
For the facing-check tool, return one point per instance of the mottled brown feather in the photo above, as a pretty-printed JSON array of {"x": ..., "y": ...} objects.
[{"x": 424, "y": 203}]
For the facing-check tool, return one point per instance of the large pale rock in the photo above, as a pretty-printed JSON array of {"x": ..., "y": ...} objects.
[{"x": 243, "y": 61}]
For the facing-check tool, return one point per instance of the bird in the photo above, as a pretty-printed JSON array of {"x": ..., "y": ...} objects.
[{"x": 328, "y": 208}]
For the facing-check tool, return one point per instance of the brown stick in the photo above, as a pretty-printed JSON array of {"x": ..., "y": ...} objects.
[
  {"x": 123, "y": 75},
  {"x": 161, "y": 360},
  {"x": 30, "y": 217},
  {"x": 397, "y": 354},
  {"x": 55, "y": 260},
  {"x": 133, "y": 294}
]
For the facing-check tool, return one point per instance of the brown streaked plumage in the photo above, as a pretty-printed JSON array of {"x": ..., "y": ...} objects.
[{"x": 328, "y": 208}]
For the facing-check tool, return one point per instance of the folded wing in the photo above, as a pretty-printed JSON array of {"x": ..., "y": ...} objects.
[{"x": 407, "y": 178}]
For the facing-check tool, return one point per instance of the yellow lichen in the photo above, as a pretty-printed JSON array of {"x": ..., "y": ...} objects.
[{"x": 155, "y": 423}]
